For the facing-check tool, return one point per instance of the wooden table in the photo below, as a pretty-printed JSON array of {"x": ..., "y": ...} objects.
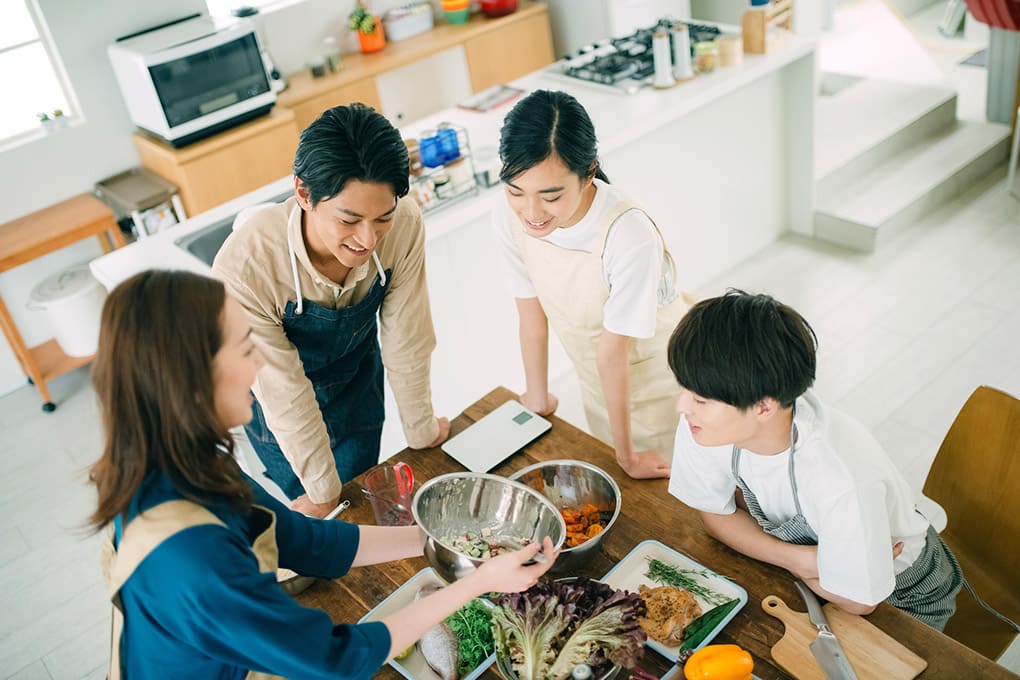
[
  {"x": 34, "y": 235},
  {"x": 648, "y": 512}
]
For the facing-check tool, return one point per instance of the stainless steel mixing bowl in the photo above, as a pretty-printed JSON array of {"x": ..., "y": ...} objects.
[
  {"x": 461, "y": 502},
  {"x": 574, "y": 484}
]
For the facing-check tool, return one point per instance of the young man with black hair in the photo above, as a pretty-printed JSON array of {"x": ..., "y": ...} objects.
[
  {"x": 780, "y": 477},
  {"x": 333, "y": 280}
]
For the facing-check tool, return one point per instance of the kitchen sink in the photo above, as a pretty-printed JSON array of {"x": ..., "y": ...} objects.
[{"x": 207, "y": 241}]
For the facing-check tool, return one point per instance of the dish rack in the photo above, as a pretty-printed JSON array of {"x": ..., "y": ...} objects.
[{"x": 435, "y": 188}]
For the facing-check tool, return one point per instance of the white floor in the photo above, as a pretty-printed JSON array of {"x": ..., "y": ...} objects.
[{"x": 905, "y": 335}]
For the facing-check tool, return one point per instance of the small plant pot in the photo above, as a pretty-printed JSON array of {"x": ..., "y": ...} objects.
[
  {"x": 458, "y": 17},
  {"x": 372, "y": 42}
]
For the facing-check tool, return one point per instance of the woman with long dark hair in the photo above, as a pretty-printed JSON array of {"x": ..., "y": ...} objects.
[
  {"x": 193, "y": 548},
  {"x": 583, "y": 258}
]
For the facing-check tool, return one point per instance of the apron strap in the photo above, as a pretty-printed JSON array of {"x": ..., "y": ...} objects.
[{"x": 141, "y": 536}]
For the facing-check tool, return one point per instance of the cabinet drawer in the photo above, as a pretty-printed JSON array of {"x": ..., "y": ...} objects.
[
  {"x": 510, "y": 52},
  {"x": 363, "y": 91}
]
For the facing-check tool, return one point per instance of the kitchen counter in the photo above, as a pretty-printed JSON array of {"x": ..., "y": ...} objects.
[{"x": 722, "y": 163}]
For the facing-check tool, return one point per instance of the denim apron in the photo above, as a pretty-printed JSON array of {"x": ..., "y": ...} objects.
[
  {"x": 339, "y": 349},
  {"x": 926, "y": 589}
]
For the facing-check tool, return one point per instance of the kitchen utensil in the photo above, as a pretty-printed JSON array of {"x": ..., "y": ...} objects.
[
  {"x": 574, "y": 484},
  {"x": 294, "y": 583},
  {"x": 498, "y": 8},
  {"x": 389, "y": 488},
  {"x": 826, "y": 649},
  {"x": 495, "y": 437},
  {"x": 873, "y": 654},
  {"x": 462, "y": 503}
]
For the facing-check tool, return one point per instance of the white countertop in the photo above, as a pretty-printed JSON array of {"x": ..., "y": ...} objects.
[{"x": 618, "y": 118}]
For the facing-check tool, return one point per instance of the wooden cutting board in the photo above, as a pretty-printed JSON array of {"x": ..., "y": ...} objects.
[{"x": 873, "y": 654}]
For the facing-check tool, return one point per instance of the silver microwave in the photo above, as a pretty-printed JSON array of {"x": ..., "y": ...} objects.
[{"x": 191, "y": 78}]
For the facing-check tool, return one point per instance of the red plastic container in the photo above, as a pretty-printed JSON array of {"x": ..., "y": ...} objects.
[{"x": 498, "y": 8}]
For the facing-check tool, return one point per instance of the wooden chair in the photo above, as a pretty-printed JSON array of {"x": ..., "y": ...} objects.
[{"x": 976, "y": 478}]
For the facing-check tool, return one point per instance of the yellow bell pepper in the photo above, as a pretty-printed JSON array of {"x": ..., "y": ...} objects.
[{"x": 719, "y": 662}]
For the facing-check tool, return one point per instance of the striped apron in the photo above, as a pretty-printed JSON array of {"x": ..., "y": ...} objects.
[{"x": 926, "y": 589}]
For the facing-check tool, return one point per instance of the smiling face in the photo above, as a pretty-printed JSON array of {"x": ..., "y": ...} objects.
[
  {"x": 234, "y": 367},
  {"x": 716, "y": 423},
  {"x": 548, "y": 196},
  {"x": 348, "y": 227}
]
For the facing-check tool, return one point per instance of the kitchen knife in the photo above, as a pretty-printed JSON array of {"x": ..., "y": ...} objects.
[{"x": 825, "y": 647}]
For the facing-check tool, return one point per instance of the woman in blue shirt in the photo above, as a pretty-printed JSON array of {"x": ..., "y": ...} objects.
[{"x": 194, "y": 544}]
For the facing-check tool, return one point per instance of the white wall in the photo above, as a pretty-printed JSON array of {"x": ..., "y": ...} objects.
[{"x": 53, "y": 168}]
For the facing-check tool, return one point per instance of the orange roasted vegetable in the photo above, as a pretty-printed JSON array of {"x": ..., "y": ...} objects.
[
  {"x": 581, "y": 524},
  {"x": 719, "y": 662}
]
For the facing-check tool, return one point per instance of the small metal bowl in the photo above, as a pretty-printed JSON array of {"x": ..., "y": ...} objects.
[
  {"x": 461, "y": 502},
  {"x": 293, "y": 583},
  {"x": 574, "y": 484}
]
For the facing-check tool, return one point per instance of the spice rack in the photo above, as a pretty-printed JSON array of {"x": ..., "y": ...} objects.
[{"x": 436, "y": 185}]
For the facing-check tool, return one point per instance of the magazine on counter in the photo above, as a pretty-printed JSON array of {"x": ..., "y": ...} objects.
[{"x": 491, "y": 98}]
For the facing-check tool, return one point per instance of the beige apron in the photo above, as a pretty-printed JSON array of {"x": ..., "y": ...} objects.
[
  {"x": 572, "y": 288},
  {"x": 143, "y": 534}
]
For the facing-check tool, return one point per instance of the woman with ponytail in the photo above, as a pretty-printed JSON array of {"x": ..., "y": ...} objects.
[{"x": 586, "y": 260}]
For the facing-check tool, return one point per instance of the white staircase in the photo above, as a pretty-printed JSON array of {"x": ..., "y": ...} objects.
[{"x": 888, "y": 152}]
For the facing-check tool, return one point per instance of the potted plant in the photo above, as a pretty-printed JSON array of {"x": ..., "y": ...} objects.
[
  {"x": 52, "y": 121},
  {"x": 369, "y": 28}
]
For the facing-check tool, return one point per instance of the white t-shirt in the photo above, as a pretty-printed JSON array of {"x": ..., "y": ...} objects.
[
  {"x": 850, "y": 492},
  {"x": 635, "y": 270}
]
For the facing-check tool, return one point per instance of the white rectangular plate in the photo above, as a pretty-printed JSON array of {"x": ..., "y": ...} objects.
[
  {"x": 413, "y": 665},
  {"x": 629, "y": 574}
]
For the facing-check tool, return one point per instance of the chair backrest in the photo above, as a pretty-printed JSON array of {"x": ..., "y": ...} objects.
[{"x": 976, "y": 478}]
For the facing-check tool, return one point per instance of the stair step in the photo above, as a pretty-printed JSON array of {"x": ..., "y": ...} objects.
[
  {"x": 898, "y": 191},
  {"x": 862, "y": 124}
]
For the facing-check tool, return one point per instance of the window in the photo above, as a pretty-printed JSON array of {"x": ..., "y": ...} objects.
[{"x": 32, "y": 70}]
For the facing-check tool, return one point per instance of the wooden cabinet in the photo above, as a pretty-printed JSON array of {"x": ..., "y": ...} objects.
[
  {"x": 364, "y": 91},
  {"x": 227, "y": 165},
  {"x": 495, "y": 51},
  {"x": 518, "y": 49}
]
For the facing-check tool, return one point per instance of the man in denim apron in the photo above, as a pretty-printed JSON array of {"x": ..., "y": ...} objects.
[
  {"x": 334, "y": 282},
  {"x": 782, "y": 478}
]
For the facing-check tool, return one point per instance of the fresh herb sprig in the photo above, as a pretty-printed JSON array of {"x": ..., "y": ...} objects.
[
  {"x": 671, "y": 575},
  {"x": 472, "y": 625}
]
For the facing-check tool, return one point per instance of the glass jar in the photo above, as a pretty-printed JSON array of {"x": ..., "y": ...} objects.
[
  {"x": 448, "y": 143},
  {"x": 331, "y": 53},
  {"x": 414, "y": 164},
  {"x": 429, "y": 149},
  {"x": 460, "y": 175},
  {"x": 706, "y": 56},
  {"x": 442, "y": 183}
]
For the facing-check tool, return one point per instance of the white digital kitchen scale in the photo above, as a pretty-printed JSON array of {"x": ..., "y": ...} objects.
[{"x": 496, "y": 437}]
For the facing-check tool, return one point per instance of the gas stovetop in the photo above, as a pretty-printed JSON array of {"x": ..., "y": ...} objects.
[{"x": 622, "y": 65}]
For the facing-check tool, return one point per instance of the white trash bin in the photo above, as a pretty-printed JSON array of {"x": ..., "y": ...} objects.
[{"x": 73, "y": 302}]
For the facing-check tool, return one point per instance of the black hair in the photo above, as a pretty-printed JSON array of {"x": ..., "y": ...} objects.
[
  {"x": 352, "y": 142},
  {"x": 740, "y": 348},
  {"x": 546, "y": 123}
]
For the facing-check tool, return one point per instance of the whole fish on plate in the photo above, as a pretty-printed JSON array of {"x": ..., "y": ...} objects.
[{"x": 439, "y": 645}]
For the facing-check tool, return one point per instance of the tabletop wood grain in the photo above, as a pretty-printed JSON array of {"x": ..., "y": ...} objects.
[{"x": 648, "y": 511}]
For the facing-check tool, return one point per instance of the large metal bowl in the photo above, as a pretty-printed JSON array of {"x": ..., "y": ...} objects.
[
  {"x": 574, "y": 484},
  {"x": 461, "y": 502}
]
